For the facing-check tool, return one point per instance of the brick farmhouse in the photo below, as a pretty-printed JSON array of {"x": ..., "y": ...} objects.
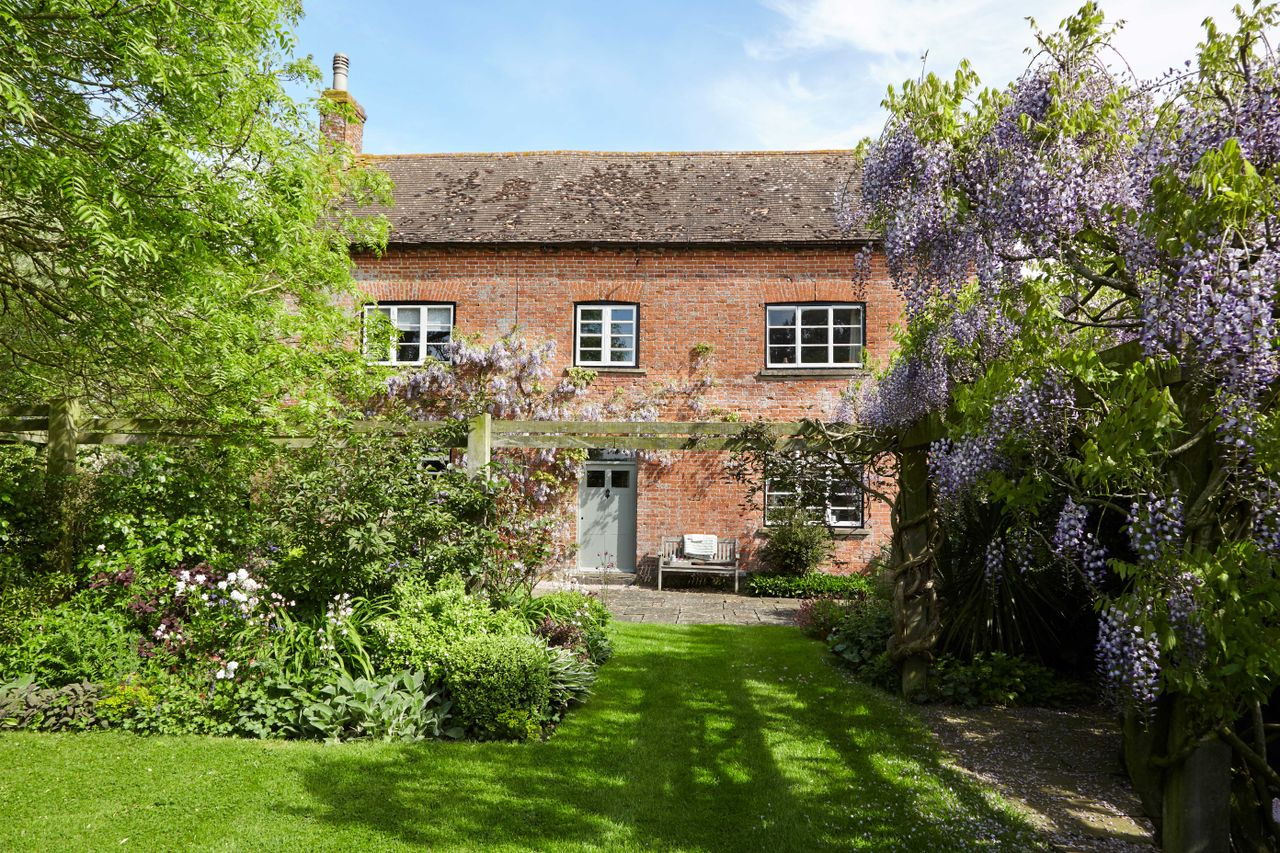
[{"x": 653, "y": 269}]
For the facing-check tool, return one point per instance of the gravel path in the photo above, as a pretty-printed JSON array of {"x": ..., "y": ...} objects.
[{"x": 1063, "y": 767}]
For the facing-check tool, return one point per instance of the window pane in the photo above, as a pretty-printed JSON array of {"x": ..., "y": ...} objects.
[
  {"x": 625, "y": 314},
  {"x": 621, "y": 342},
  {"x": 438, "y": 336},
  {"x": 407, "y": 352},
  {"x": 408, "y": 317},
  {"x": 850, "y": 517},
  {"x": 813, "y": 355},
  {"x": 857, "y": 335},
  {"x": 844, "y": 354},
  {"x": 842, "y": 335},
  {"x": 591, "y": 341},
  {"x": 591, "y": 314},
  {"x": 621, "y": 479},
  {"x": 621, "y": 328},
  {"x": 813, "y": 317},
  {"x": 782, "y": 316},
  {"x": 589, "y": 355},
  {"x": 842, "y": 316},
  {"x": 813, "y": 336},
  {"x": 620, "y": 356},
  {"x": 782, "y": 336},
  {"x": 595, "y": 479},
  {"x": 591, "y": 328},
  {"x": 439, "y": 352},
  {"x": 440, "y": 315},
  {"x": 782, "y": 355}
]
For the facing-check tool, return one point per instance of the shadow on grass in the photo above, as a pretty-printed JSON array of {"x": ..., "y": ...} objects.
[{"x": 699, "y": 737}]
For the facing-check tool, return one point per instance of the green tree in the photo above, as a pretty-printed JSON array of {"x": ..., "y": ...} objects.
[{"x": 173, "y": 237}]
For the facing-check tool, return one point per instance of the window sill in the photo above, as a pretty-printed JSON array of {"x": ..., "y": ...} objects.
[
  {"x": 628, "y": 371},
  {"x": 810, "y": 372},
  {"x": 836, "y": 532}
]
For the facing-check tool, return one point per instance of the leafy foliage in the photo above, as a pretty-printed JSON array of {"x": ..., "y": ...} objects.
[
  {"x": 197, "y": 273},
  {"x": 796, "y": 543},
  {"x": 396, "y": 707},
  {"x": 355, "y": 514},
  {"x": 1000, "y": 679},
  {"x": 499, "y": 683},
  {"x": 70, "y": 644},
  {"x": 71, "y": 707},
  {"x": 848, "y": 587}
]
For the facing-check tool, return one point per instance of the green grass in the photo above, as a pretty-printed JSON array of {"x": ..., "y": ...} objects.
[{"x": 698, "y": 738}]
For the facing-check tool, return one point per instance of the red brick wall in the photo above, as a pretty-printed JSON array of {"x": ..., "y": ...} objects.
[{"x": 687, "y": 296}]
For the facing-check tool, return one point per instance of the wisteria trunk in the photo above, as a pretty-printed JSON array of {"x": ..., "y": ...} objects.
[{"x": 915, "y": 540}]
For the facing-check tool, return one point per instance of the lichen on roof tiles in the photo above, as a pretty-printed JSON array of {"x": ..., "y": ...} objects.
[{"x": 588, "y": 196}]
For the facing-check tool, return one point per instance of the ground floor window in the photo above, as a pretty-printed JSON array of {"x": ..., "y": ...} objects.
[{"x": 829, "y": 494}]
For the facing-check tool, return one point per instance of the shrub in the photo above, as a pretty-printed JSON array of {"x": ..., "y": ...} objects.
[
  {"x": 818, "y": 617},
  {"x": 24, "y": 704},
  {"x": 153, "y": 508},
  {"x": 71, "y": 644},
  {"x": 812, "y": 585},
  {"x": 797, "y": 544},
  {"x": 1000, "y": 679},
  {"x": 861, "y": 642},
  {"x": 488, "y": 675},
  {"x": 425, "y": 620},
  {"x": 358, "y": 515}
]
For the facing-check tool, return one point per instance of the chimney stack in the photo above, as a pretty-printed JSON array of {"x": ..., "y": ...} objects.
[
  {"x": 342, "y": 119},
  {"x": 340, "y": 66}
]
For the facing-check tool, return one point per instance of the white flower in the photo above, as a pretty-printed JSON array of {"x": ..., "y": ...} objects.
[
  {"x": 237, "y": 595},
  {"x": 102, "y": 549},
  {"x": 199, "y": 578},
  {"x": 242, "y": 574},
  {"x": 222, "y": 584},
  {"x": 182, "y": 587}
]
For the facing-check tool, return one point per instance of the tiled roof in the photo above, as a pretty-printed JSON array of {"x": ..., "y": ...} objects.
[{"x": 590, "y": 196}]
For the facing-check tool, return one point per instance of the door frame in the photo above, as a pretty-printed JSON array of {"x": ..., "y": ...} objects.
[{"x": 608, "y": 465}]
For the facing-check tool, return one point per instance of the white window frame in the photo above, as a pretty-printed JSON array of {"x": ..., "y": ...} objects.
[
  {"x": 392, "y": 309},
  {"x": 858, "y": 335},
  {"x": 774, "y": 497},
  {"x": 606, "y": 321}
]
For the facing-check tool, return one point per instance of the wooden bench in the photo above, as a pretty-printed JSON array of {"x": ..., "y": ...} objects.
[{"x": 725, "y": 562}]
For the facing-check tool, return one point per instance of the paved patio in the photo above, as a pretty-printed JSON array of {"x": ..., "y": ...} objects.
[{"x": 631, "y": 603}]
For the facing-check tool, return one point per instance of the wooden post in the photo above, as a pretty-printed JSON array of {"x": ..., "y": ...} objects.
[
  {"x": 479, "y": 443},
  {"x": 60, "y": 457},
  {"x": 1197, "y": 793}
]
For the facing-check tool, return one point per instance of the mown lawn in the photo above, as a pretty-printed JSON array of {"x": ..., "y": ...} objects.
[{"x": 698, "y": 738}]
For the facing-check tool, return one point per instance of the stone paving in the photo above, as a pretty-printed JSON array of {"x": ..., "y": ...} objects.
[{"x": 631, "y": 603}]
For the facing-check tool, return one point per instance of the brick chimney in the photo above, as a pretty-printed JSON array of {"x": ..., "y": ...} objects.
[{"x": 342, "y": 123}]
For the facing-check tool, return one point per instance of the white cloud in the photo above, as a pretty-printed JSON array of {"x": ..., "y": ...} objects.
[{"x": 841, "y": 55}]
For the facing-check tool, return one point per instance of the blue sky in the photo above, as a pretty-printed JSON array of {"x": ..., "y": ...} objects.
[{"x": 695, "y": 75}]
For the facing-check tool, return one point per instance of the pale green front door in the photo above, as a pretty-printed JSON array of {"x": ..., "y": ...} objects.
[{"x": 607, "y": 517}]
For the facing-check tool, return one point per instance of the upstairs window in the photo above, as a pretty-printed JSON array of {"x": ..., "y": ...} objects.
[
  {"x": 409, "y": 334},
  {"x": 815, "y": 335},
  {"x": 605, "y": 335},
  {"x": 830, "y": 496}
]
